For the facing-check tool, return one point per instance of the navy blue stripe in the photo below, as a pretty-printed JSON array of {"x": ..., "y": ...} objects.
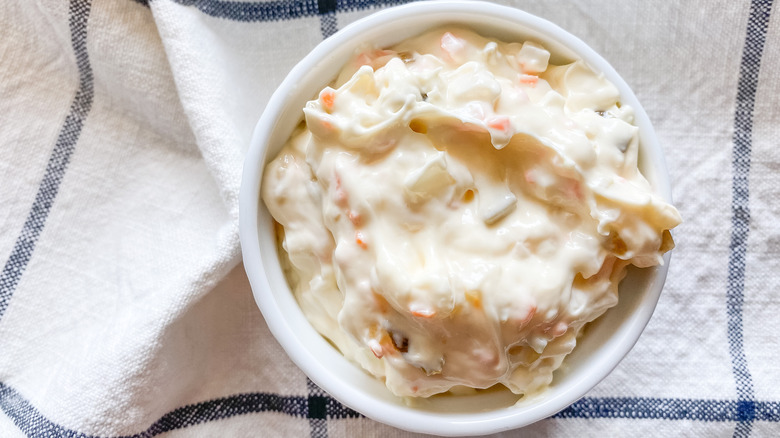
[
  {"x": 255, "y": 11},
  {"x": 670, "y": 409},
  {"x": 30, "y": 421},
  {"x": 328, "y": 20},
  {"x": 318, "y": 410},
  {"x": 58, "y": 161},
  {"x": 280, "y": 9},
  {"x": 322, "y": 407},
  {"x": 750, "y": 66},
  {"x": 319, "y": 407},
  {"x": 226, "y": 407},
  {"x": 356, "y": 5},
  {"x": 328, "y": 24},
  {"x": 326, "y": 6}
]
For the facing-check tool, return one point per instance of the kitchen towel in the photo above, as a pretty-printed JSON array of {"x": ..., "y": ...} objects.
[{"x": 125, "y": 310}]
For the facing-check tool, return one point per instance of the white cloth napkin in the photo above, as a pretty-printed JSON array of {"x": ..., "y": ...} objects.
[{"x": 124, "y": 310}]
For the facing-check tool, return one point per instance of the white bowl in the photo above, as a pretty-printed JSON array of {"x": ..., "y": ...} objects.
[{"x": 604, "y": 343}]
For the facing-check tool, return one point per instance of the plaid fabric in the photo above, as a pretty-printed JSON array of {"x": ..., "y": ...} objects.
[{"x": 124, "y": 310}]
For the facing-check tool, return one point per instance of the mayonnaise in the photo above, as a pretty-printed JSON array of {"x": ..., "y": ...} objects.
[{"x": 456, "y": 209}]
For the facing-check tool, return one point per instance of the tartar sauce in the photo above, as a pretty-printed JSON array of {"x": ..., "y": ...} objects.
[{"x": 455, "y": 209}]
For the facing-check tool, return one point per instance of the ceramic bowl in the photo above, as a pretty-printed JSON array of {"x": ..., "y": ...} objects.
[{"x": 605, "y": 341}]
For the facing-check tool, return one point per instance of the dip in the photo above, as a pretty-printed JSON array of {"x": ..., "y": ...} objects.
[{"x": 455, "y": 209}]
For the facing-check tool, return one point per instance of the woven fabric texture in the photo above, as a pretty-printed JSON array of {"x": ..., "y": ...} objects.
[{"x": 125, "y": 310}]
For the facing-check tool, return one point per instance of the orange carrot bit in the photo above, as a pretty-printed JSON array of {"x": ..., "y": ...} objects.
[
  {"x": 423, "y": 313},
  {"x": 529, "y": 79},
  {"x": 500, "y": 123},
  {"x": 327, "y": 96},
  {"x": 360, "y": 240},
  {"x": 474, "y": 297}
]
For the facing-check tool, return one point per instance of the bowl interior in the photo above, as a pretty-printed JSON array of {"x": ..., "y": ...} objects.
[{"x": 604, "y": 342}]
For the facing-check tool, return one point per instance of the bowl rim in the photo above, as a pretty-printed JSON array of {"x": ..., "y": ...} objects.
[{"x": 400, "y": 416}]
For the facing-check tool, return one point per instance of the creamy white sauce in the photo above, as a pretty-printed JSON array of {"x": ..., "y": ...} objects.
[{"x": 456, "y": 209}]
